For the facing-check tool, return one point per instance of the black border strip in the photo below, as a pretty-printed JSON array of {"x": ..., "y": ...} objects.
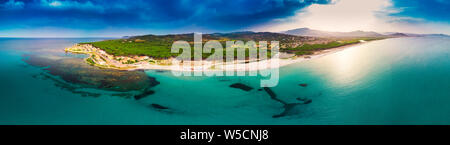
[{"x": 286, "y": 134}]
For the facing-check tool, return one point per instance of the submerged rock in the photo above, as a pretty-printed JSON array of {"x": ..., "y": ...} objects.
[
  {"x": 152, "y": 81},
  {"x": 270, "y": 92},
  {"x": 305, "y": 100},
  {"x": 273, "y": 96},
  {"x": 287, "y": 106},
  {"x": 157, "y": 106},
  {"x": 241, "y": 86},
  {"x": 75, "y": 71},
  {"x": 144, "y": 94},
  {"x": 303, "y": 85},
  {"x": 75, "y": 75},
  {"x": 125, "y": 95},
  {"x": 287, "y": 110},
  {"x": 66, "y": 86}
]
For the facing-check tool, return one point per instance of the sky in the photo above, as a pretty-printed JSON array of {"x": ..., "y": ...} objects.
[{"x": 116, "y": 18}]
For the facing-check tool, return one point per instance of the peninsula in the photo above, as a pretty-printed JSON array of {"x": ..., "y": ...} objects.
[{"x": 154, "y": 51}]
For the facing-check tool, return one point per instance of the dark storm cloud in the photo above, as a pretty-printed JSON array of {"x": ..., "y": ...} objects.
[{"x": 218, "y": 15}]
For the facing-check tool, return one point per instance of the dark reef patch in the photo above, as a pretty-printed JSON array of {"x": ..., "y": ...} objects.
[
  {"x": 304, "y": 100},
  {"x": 66, "y": 86},
  {"x": 241, "y": 86},
  {"x": 288, "y": 107},
  {"x": 144, "y": 94},
  {"x": 287, "y": 110},
  {"x": 124, "y": 95},
  {"x": 303, "y": 85},
  {"x": 273, "y": 96},
  {"x": 157, "y": 106},
  {"x": 75, "y": 72}
]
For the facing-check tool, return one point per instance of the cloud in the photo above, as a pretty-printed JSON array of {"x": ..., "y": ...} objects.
[
  {"x": 180, "y": 16},
  {"x": 368, "y": 15},
  {"x": 170, "y": 15},
  {"x": 430, "y": 10},
  {"x": 342, "y": 15},
  {"x": 12, "y": 4},
  {"x": 68, "y": 4}
]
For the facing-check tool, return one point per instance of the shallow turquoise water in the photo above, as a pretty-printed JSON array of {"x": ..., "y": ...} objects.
[{"x": 393, "y": 81}]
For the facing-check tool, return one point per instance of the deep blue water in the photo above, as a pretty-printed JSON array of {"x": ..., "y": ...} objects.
[{"x": 392, "y": 81}]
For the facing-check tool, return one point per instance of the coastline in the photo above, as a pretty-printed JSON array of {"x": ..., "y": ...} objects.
[{"x": 100, "y": 58}]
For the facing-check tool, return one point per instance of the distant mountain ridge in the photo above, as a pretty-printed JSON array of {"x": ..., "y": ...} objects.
[
  {"x": 242, "y": 35},
  {"x": 359, "y": 33},
  {"x": 418, "y": 35},
  {"x": 319, "y": 33}
]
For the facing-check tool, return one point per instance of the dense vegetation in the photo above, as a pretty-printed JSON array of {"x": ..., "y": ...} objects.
[
  {"x": 124, "y": 47},
  {"x": 159, "y": 47},
  {"x": 154, "y": 49}
]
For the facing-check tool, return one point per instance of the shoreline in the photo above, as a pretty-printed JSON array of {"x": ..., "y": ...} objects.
[{"x": 100, "y": 58}]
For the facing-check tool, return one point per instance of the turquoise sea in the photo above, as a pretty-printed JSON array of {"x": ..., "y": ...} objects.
[{"x": 392, "y": 81}]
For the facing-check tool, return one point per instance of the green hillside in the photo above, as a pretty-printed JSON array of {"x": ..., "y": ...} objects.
[{"x": 159, "y": 46}]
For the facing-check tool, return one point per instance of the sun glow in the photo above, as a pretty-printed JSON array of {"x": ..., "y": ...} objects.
[
  {"x": 348, "y": 65},
  {"x": 352, "y": 15}
]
